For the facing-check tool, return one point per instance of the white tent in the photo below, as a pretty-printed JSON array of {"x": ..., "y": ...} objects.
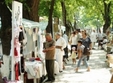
[{"x": 29, "y": 23}]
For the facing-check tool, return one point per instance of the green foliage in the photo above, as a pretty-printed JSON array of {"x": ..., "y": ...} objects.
[
  {"x": 8, "y": 1},
  {"x": 84, "y": 12},
  {"x": 44, "y": 8},
  {"x": 57, "y": 10}
]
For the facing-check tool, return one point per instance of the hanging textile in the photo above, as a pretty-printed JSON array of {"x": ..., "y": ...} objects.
[
  {"x": 22, "y": 64},
  {"x": 15, "y": 52},
  {"x": 17, "y": 71}
]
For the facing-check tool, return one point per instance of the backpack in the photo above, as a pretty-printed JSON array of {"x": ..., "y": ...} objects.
[{"x": 86, "y": 51}]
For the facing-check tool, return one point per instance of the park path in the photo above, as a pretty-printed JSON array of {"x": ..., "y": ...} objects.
[{"x": 100, "y": 72}]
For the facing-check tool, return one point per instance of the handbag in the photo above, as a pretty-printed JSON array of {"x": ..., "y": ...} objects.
[{"x": 86, "y": 51}]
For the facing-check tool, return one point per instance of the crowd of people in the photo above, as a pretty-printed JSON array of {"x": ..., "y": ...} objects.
[{"x": 81, "y": 43}]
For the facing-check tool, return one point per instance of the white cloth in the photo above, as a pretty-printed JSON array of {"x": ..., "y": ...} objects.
[
  {"x": 56, "y": 67},
  {"x": 66, "y": 38},
  {"x": 59, "y": 53},
  {"x": 35, "y": 69},
  {"x": 73, "y": 40},
  {"x": 15, "y": 81},
  {"x": 105, "y": 41},
  {"x": 100, "y": 36},
  {"x": 61, "y": 42},
  {"x": 93, "y": 37},
  {"x": 80, "y": 35}
]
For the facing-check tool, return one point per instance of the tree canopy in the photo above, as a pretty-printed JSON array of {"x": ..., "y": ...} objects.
[{"x": 91, "y": 12}]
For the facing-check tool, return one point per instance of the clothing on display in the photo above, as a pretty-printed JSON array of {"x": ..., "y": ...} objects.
[{"x": 17, "y": 71}]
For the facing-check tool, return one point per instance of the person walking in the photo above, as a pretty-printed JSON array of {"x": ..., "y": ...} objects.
[
  {"x": 73, "y": 40},
  {"x": 49, "y": 50},
  {"x": 81, "y": 56},
  {"x": 86, "y": 41},
  {"x": 65, "y": 57},
  {"x": 100, "y": 36},
  {"x": 59, "y": 51},
  {"x": 93, "y": 38}
]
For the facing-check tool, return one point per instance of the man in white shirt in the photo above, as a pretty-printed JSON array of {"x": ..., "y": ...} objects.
[
  {"x": 93, "y": 38},
  {"x": 59, "y": 51}
]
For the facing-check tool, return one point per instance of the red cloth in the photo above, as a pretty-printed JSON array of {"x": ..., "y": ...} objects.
[
  {"x": 15, "y": 52},
  {"x": 38, "y": 59},
  {"x": 16, "y": 71}
]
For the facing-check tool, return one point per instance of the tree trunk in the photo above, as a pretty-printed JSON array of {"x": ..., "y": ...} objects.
[
  {"x": 75, "y": 23},
  {"x": 69, "y": 27},
  {"x": 5, "y": 33},
  {"x": 31, "y": 10},
  {"x": 49, "y": 26},
  {"x": 106, "y": 16},
  {"x": 63, "y": 12},
  {"x": 65, "y": 22}
]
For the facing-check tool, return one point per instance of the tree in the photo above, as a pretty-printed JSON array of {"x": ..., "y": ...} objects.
[
  {"x": 49, "y": 26},
  {"x": 5, "y": 32},
  {"x": 30, "y": 12},
  {"x": 106, "y": 15},
  {"x": 102, "y": 10},
  {"x": 31, "y": 9},
  {"x": 63, "y": 12}
]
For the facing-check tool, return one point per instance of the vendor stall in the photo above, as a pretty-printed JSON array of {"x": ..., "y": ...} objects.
[
  {"x": 34, "y": 57},
  {"x": 32, "y": 50}
]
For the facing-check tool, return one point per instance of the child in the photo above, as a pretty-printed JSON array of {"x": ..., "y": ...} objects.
[{"x": 73, "y": 55}]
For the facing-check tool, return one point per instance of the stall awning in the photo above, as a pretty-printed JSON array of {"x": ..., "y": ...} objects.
[
  {"x": 32, "y": 24},
  {"x": 29, "y": 23},
  {"x": 43, "y": 25}
]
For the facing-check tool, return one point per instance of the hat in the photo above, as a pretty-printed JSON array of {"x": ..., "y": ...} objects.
[{"x": 73, "y": 48}]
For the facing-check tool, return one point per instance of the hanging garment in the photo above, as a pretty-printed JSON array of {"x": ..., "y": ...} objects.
[
  {"x": 21, "y": 36},
  {"x": 15, "y": 52},
  {"x": 17, "y": 71},
  {"x": 22, "y": 64}
]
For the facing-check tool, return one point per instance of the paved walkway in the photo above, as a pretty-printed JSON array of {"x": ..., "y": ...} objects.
[{"x": 100, "y": 72}]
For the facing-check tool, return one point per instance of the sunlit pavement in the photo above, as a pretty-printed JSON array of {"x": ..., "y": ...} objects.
[{"x": 99, "y": 73}]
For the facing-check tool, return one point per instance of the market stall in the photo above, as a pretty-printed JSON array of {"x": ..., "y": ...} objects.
[
  {"x": 34, "y": 57},
  {"x": 32, "y": 50}
]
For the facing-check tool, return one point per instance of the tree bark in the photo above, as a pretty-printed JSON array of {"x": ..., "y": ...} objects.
[
  {"x": 31, "y": 10},
  {"x": 69, "y": 27},
  {"x": 106, "y": 16},
  {"x": 65, "y": 22},
  {"x": 49, "y": 26},
  {"x": 63, "y": 12},
  {"x": 5, "y": 33}
]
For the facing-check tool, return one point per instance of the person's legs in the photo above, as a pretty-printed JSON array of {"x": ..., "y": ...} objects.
[
  {"x": 88, "y": 57},
  {"x": 93, "y": 45},
  {"x": 59, "y": 59},
  {"x": 85, "y": 62},
  {"x": 50, "y": 70},
  {"x": 78, "y": 64},
  {"x": 74, "y": 60},
  {"x": 47, "y": 69}
]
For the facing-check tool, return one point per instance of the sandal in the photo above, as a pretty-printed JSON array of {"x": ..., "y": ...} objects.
[
  {"x": 76, "y": 69},
  {"x": 88, "y": 69}
]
